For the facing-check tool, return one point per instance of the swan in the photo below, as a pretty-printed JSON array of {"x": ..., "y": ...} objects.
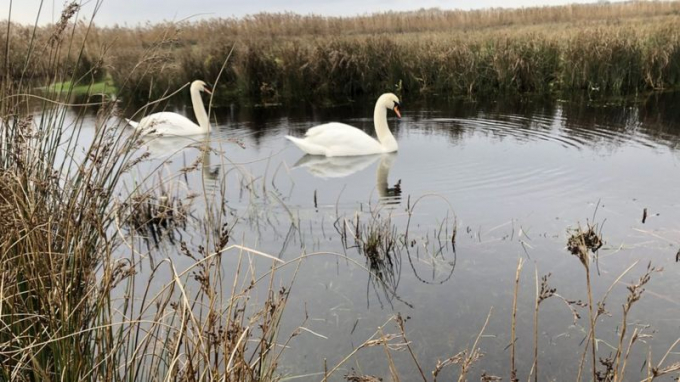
[
  {"x": 168, "y": 123},
  {"x": 163, "y": 148},
  {"x": 338, "y": 139}
]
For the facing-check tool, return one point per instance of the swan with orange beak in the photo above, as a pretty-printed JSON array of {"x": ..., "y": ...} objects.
[
  {"x": 338, "y": 139},
  {"x": 173, "y": 124}
]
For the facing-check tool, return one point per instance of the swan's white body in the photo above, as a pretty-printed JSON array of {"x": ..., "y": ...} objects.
[
  {"x": 165, "y": 147},
  {"x": 338, "y": 139},
  {"x": 173, "y": 124}
]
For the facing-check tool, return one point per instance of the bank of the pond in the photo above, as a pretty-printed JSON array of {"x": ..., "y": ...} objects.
[
  {"x": 83, "y": 89},
  {"x": 596, "y": 50},
  {"x": 622, "y": 58}
]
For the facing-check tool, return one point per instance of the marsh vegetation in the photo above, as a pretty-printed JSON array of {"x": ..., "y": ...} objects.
[{"x": 599, "y": 49}]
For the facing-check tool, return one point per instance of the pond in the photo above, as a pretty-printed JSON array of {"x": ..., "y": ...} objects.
[{"x": 474, "y": 188}]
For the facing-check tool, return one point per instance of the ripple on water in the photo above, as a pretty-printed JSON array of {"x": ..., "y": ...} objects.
[{"x": 529, "y": 168}]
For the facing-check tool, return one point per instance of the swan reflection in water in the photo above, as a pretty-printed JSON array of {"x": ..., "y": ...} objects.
[
  {"x": 170, "y": 148},
  {"x": 339, "y": 167},
  {"x": 173, "y": 168}
]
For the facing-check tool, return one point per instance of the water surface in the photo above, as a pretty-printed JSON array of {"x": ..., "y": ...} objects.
[{"x": 511, "y": 178}]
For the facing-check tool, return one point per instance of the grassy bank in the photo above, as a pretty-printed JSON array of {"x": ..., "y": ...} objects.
[
  {"x": 103, "y": 87},
  {"x": 606, "y": 49},
  {"x": 618, "y": 49}
]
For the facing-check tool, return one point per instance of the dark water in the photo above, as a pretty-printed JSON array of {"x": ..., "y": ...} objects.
[{"x": 510, "y": 177}]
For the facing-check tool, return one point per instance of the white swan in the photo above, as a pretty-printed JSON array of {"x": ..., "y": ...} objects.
[
  {"x": 168, "y": 123},
  {"x": 163, "y": 148},
  {"x": 337, "y": 139}
]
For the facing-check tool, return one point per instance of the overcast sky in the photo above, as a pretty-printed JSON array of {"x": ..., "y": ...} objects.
[{"x": 133, "y": 12}]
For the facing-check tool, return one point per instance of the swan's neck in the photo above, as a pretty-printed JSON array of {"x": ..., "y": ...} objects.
[
  {"x": 382, "y": 130},
  {"x": 199, "y": 110}
]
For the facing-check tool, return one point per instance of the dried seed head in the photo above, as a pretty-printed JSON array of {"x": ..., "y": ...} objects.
[
  {"x": 489, "y": 378},
  {"x": 66, "y": 15},
  {"x": 353, "y": 377},
  {"x": 546, "y": 291},
  {"x": 580, "y": 242}
]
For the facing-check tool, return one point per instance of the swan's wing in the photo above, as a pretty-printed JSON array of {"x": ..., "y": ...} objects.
[
  {"x": 168, "y": 123},
  {"x": 162, "y": 147},
  {"x": 164, "y": 118},
  {"x": 307, "y": 147},
  {"x": 338, "y": 139},
  {"x": 329, "y": 127}
]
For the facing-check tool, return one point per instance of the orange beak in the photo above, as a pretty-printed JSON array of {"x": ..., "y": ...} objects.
[
  {"x": 396, "y": 111},
  {"x": 207, "y": 90}
]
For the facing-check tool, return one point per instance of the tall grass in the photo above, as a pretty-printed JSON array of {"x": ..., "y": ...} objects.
[
  {"x": 610, "y": 57},
  {"x": 76, "y": 301},
  {"x": 603, "y": 49}
]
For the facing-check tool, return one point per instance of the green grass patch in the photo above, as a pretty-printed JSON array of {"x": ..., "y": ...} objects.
[{"x": 106, "y": 87}]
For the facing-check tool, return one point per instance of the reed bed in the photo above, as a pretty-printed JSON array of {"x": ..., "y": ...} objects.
[
  {"x": 604, "y": 49},
  {"x": 77, "y": 299},
  {"x": 609, "y": 56}
]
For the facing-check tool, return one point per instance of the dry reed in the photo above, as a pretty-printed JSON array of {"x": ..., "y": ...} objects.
[
  {"x": 70, "y": 276},
  {"x": 603, "y": 49}
]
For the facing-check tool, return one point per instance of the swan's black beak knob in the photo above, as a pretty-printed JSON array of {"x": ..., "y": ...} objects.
[{"x": 208, "y": 88}]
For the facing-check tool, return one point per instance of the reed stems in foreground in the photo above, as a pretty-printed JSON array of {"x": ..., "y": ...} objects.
[
  {"x": 513, "y": 324},
  {"x": 77, "y": 301},
  {"x": 579, "y": 244}
]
